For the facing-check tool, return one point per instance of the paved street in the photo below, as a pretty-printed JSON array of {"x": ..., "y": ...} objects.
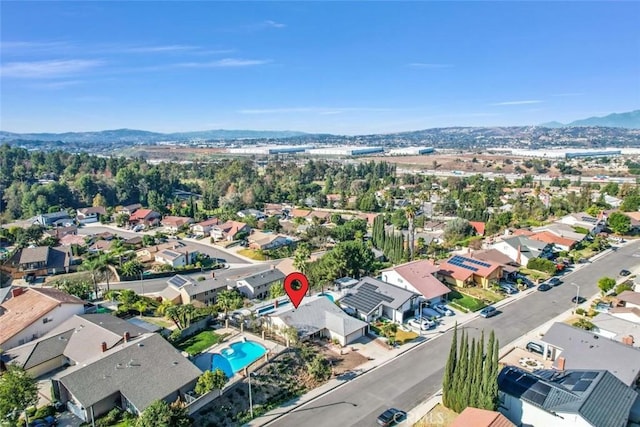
[
  {"x": 415, "y": 376},
  {"x": 203, "y": 248}
]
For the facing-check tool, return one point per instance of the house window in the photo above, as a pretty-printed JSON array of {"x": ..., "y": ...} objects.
[{"x": 45, "y": 320}]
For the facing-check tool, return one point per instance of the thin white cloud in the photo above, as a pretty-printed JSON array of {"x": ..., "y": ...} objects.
[
  {"x": 48, "y": 69},
  {"x": 429, "y": 65},
  {"x": 525, "y": 102},
  {"x": 159, "y": 48},
  {"x": 225, "y": 63},
  {"x": 274, "y": 24}
]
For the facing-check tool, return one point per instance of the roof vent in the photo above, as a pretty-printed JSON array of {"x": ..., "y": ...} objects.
[{"x": 174, "y": 363}]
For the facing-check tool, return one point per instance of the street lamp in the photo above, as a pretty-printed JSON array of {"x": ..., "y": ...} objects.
[{"x": 577, "y": 296}]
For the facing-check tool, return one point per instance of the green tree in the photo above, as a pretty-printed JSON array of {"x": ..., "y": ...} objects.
[
  {"x": 449, "y": 370},
  {"x": 229, "y": 300},
  {"x": 18, "y": 391},
  {"x": 272, "y": 224},
  {"x": 301, "y": 257},
  {"x": 606, "y": 284},
  {"x": 132, "y": 268},
  {"x": 122, "y": 219},
  {"x": 276, "y": 290},
  {"x": 211, "y": 380},
  {"x": 457, "y": 229},
  {"x": 410, "y": 213},
  {"x": 161, "y": 414},
  {"x": 319, "y": 368},
  {"x": 79, "y": 288},
  {"x": 619, "y": 223}
]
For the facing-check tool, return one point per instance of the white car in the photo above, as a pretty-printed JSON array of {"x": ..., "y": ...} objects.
[
  {"x": 422, "y": 324},
  {"x": 443, "y": 309}
]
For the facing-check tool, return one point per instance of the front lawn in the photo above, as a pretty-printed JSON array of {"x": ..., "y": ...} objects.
[
  {"x": 200, "y": 342},
  {"x": 405, "y": 336},
  {"x": 466, "y": 302},
  {"x": 484, "y": 294},
  {"x": 253, "y": 254}
]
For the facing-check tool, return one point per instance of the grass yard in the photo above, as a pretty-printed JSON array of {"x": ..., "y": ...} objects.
[
  {"x": 405, "y": 336},
  {"x": 484, "y": 294},
  {"x": 439, "y": 416},
  {"x": 466, "y": 301},
  {"x": 200, "y": 342},
  {"x": 255, "y": 255},
  {"x": 534, "y": 275},
  {"x": 158, "y": 321}
]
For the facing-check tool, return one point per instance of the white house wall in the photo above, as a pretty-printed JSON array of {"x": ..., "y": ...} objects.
[{"x": 522, "y": 413}]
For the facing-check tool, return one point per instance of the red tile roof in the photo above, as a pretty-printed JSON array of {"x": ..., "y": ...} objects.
[
  {"x": 548, "y": 237},
  {"x": 479, "y": 226},
  {"x": 141, "y": 214},
  {"x": 299, "y": 213},
  {"x": 208, "y": 222},
  {"x": 474, "y": 417},
  {"x": 175, "y": 221},
  {"x": 420, "y": 275}
]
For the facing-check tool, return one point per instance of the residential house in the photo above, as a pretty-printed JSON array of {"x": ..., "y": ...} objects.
[
  {"x": 572, "y": 398},
  {"x": 53, "y": 219},
  {"x": 129, "y": 209},
  {"x": 268, "y": 241},
  {"x": 584, "y": 220},
  {"x": 612, "y": 201},
  {"x": 559, "y": 243},
  {"x": 246, "y": 213},
  {"x": 178, "y": 255},
  {"x": 474, "y": 417},
  {"x": 274, "y": 209},
  {"x": 369, "y": 217},
  {"x": 629, "y": 299},
  {"x": 573, "y": 348},
  {"x": 299, "y": 213},
  {"x": 522, "y": 249},
  {"x": 90, "y": 215},
  {"x": 624, "y": 331},
  {"x": 60, "y": 232},
  {"x": 257, "y": 285},
  {"x": 203, "y": 228},
  {"x": 40, "y": 261},
  {"x": 136, "y": 242},
  {"x": 371, "y": 299},
  {"x": 173, "y": 224},
  {"x": 32, "y": 312},
  {"x": 318, "y": 317},
  {"x": 319, "y": 216},
  {"x": 562, "y": 230},
  {"x": 101, "y": 246},
  {"x": 76, "y": 341},
  {"x": 229, "y": 230},
  {"x": 127, "y": 378},
  {"x": 185, "y": 290},
  {"x": 286, "y": 265},
  {"x": 417, "y": 277},
  {"x": 494, "y": 256},
  {"x": 632, "y": 314},
  {"x": 478, "y": 226},
  {"x": 462, "y": 271},
  {"x": 145, "y": 217}
]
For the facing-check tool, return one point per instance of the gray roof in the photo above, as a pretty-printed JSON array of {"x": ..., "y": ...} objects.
[
  {"x": 194, "y": 287},
  {"x": 369, "y": 293},
  {"x": 146, "y": 369},
  {"x": 526, "y": 244},
  {"x": 263, "y": 278},
  {"x": 604, "y": 322},
  {"x": 5, "y": 294},
  {"x": 318, "y": 313},
  {"x": 586, "y": 350},
  {"x": 37, "y": 352},
  {"x": 56, "y": 215},
  {"x": 37, "y": 254},
  {"x": 596, "y": 395}
]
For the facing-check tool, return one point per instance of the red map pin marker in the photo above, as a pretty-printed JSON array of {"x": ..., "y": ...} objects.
[{"x": 296, "y": 286}]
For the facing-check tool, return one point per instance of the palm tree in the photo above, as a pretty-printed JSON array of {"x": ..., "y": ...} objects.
[
  {"x": 410, "y": 213},
  {"x": 141, "y": 306},
  {"x": 301, "y": 257},
  {"x": 229, "y": 300}
]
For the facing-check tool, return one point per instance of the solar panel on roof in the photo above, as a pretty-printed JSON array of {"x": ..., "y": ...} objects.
[
  {"x": 177, "y": 281},
  {"x": 589, "y": 375},
  {"x": 581, "y": 385}
]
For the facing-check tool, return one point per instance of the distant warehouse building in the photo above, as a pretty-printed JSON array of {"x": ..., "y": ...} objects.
[
  {"x": 344, "y": 151},
  {"x": 266, "y": 150},
  {"x": 594, "y": 153},
  {"x": 411, "y": 151},
  {"x": 567, "y": 153}
]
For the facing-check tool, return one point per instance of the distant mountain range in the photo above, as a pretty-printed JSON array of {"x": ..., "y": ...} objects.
[
  {"x": 144, "y": 137},
  {"x": 630, "y": 120}
]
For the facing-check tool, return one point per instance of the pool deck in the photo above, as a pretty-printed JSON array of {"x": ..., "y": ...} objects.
[{"x": 203, "y": 360}]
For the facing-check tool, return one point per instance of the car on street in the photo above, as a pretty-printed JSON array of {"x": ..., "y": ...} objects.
[
  {"x": 423, "y": 324},
  {"x": 544, "y": 287},
  {"x": 508, "y": 288},
  {"x": 443, "y": 309},
  {"x": 578, "y": 299},
  {"x": 625, "y": 273},
  {"x": 489, "y": 311},
  {"x": 554, "y": 281},
  {"x": 391, "y": 416},
  {"x": 535, "y": 347}
]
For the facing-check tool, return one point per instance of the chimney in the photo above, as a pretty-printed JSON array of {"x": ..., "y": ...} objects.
[
  {"x": 16, "y": 292},
  {"x": 561, "y": 363},
  {"x": 275, "y": 303},
  {"x": 126, "y": 336},
  {"x": 628, "y": 340},
  {"x": 213, "y": 275},
  {"x": 273, "y": 266},
  {"x": 104, "y": 346},
  {"x": 519, "y": 256}
]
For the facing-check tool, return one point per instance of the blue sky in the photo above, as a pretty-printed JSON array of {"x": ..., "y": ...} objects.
[{"x": 337, "y": 67}]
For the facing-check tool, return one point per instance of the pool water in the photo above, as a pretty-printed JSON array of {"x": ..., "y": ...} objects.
[
  {"x": 237, "y": 356},
  {"x": 271, "y": 307},
  {"x": 331, "y": 298}
]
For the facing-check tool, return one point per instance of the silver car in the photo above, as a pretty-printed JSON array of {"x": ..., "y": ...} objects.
[
  {"x": 443, "y": 309},
  {"x": 423, "y": 324}
]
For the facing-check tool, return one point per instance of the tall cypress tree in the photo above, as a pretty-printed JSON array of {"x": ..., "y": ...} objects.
[
  {"x": 477, "y": 388},
  {"x": 469, "y": 390},
  {"x": 449, "y": 370},
  {"x": 490, "y": 375},
  {"x": 461, "y": 380}
]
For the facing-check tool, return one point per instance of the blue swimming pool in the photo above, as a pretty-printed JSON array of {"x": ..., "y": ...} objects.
[
  {"x": 237, "y": 356},
  {"x": 331, "y": 298}
]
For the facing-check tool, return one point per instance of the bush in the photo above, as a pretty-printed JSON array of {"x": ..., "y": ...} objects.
[
  {"x": 580, "y": 311},
  {"x": 541, "y": 264},
  {"x": 623, "y": 287},
  {"x": 112, "y": 417},
  {"x": 175, "y": 335},
  {"x": 584, "y": 324}
]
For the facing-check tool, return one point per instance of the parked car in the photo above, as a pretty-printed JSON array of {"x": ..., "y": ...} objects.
[
  {"x": 544, "y": 287},
  {"x": 578, "y": 299},
  {"x": 625, "y": 273},
  {"x": 391, "y": 416},
  {"x": 443, "y": 309},
  {"x": 430, "y": 313},
  {"x": 489, "y": 311},
  {"x": 508, "y": 288},
  {"x": 602, "y": 307},
  {"x": 535, "y": 347},
  {"x": 422, "y": 324},
  {"x": 554, "y": 281},
  {"x": 44, "y": 422}
]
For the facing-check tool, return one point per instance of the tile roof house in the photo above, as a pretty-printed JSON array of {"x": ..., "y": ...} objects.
[
  {"x": 257, "y": 285},
  {"x": 564, "y": 399},
  {"x": 267, "y": 241},
  {"x": 129, "y": 209},
  {"x": 139, "y": 372},
  {"x": 72, "y": 239},
  {"x": 90, "y": 215},
  {"x": 574, "y": 348},
  {"x": 318, "y": 317},
  {"x": 286, "y": 265},
  {"x": 172, "y": 224},
  {"x": 299, "y": 213},
  {"x": 478, "y": 226},
  {"x": 522, "y": 249},
  {"x": 229, "y": 230},
  {"x": 562, "y": 230},
  {"x": 474, "y": 417},
  {"x": 178, "y": 255},
  {"x": 145, "y": 217},
  {"x": 372, "y": 298},
  {"x": 418, "y": 277},
  {"x": 32, "y": 312},
  {"x": 559, "y": 242},
  {"x": 203, "y": 228},
  {"x": 185, "y": 290},
  {"x": 509, "y": 266},
  {"x": 464, "y": 271}
]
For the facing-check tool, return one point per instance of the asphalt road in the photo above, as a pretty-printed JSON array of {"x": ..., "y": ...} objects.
[
  {"x": 413, "y": 377},
  {"x": 205, "y": 249}
]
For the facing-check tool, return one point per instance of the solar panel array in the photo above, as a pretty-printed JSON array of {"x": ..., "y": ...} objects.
[
  {"x": 178, "y": 281},
  {"x": 578, "y": 381},
  {"x": 589, "y": 219},
  {"x": 460, "y": 261}
]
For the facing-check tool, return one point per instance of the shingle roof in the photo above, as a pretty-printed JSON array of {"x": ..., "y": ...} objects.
[
  {"x": 263, "y": 278},
  {"x": 462, "y": 267},
  {"x": 37, "y": 254},
  {"x": 585, "y": 350},
  {"x": 192, "y": 287},
  {"x": 370, "y": 293},
  {"x": 630, "y": 297},
  {"x": 596, "y": 395},
  {"x": 604, "y": 322},
  {"x": 420, "y": 275},
  {"x": 318, "y": 313},
  {"x": 146, "y": 369},
  {"x": 36, "y": 352}
]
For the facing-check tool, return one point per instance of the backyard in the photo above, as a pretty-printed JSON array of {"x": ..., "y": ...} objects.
[
  {"x": 464, "y": 301},
  {"x": 200, "y": 342}
]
